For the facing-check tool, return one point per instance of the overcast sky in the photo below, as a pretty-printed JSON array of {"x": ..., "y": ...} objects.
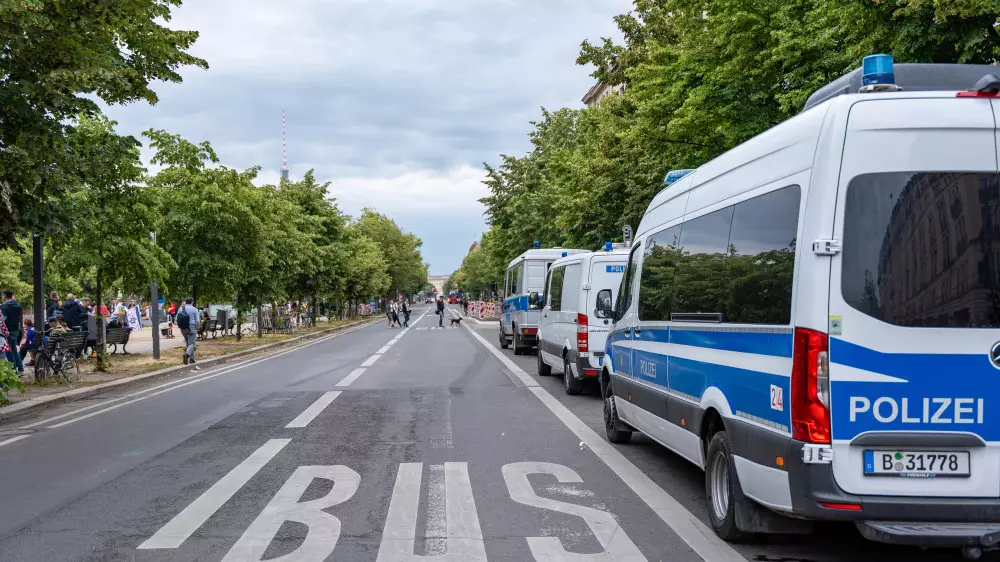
[{"x": 397, "y": 102}]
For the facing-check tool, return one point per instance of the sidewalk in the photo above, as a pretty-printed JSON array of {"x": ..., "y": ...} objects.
[
  {"x": 121, "y": 367},
  {"x": 142, "y": 341}
]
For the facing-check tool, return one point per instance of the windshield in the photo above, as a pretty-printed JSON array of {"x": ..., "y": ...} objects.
[{"x": 923, "y": 248}]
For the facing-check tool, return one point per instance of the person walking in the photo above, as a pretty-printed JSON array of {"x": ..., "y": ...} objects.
[
  {"x": 73, "y": 312},
  {"x": 395, "y": 314},
  {"x": 388, "y": 312},
  {"x": 11, "y": 311},
  {"x": 440, "y": 311},
  {"x": 187, "y": 320},
  {"x": 406, "y": 313}
]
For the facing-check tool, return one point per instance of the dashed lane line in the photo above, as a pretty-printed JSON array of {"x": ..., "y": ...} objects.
[
  {"x": 689, "y": 528},
  {"x": 310, "y": 413}
]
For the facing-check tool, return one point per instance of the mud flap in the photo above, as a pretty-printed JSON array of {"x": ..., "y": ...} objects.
[{"x": 751, "y": 517}]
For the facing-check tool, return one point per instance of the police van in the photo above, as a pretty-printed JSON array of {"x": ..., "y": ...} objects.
[
  {"x": 525, "y": 276},
  {"x": 572, "y": 331},
  {"x": 813, "y": 317}
]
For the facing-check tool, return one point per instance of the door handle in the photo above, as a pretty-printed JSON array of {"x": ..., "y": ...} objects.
[
  {"x": 628, "y": 332},
  {"x": 635, "y": 331}
]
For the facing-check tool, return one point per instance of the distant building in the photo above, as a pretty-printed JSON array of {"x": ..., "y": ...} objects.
[{"x": 599, "y": 91}]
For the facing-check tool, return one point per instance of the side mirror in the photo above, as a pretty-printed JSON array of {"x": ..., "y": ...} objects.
[{"x": 604, "y": 307}]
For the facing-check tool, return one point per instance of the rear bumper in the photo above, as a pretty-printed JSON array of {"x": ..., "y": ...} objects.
[
  {"x": 587, "y": 366},
  {"x": 882, "y": 517}
]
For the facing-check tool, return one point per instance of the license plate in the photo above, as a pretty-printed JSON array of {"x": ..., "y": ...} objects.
[{"x": 916, "y": 464}]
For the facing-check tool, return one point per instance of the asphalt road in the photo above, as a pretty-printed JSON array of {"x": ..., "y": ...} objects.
[{"x": 376, "y": 444}]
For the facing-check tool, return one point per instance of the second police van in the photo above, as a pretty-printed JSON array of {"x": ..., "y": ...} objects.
[
  {"x": 572, "y": 331},
  {"x": 813, "y": 317}
]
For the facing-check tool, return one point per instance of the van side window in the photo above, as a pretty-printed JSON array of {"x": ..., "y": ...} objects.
[
  {"x": 762, "y": 257},
  {"x": 656, "y": 284},
  {"x": 506, "y": 284},
  {"x": 625, "y": 291},
  {"x": 555, "y": 294},
  {"x": 571, "y": 287},
  {"x": 515, "y": 279},
  {"x": 700, "y": 275}
]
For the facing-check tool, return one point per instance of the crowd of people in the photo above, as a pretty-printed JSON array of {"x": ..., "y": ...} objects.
[{"x": 395, "y": 310}]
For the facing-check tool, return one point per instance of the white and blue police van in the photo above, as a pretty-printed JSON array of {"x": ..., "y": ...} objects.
[
  {"x": 813, "y": 317},
  {"x": 524, "y": 280},
  {"x": 571, "y": 335}
]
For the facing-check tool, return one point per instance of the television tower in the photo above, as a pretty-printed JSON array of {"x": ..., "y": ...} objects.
[{"x": 284, "y": 148}]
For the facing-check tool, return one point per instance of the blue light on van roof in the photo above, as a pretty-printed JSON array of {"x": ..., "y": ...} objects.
[
  {"x": 877, "y": 69},
  {"x": 674, "y": 175},
  {"x": 565, "y": 254},
  {"x": 608, "y": 246},
  {"x": 537, "y": 244}
]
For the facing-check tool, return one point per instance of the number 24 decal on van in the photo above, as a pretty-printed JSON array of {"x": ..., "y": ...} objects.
[{"x": 777, "y": 398}]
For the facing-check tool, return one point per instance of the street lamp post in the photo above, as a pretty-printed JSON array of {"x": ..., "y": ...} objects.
[{"x": 154, "y": 310}]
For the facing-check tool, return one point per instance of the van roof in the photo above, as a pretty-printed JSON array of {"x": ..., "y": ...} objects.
[
  {"x": 616, "y": 253},
  {"x": 544, "y": 254},
  {"x": 797, "y": 132}
]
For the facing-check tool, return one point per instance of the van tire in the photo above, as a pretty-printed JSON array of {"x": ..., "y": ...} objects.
[
  {"x": 503, "y": 339},
  {"x": 612, "y": 423},
  {"x": 518, "y": 349},
  {"x": 573, "y": 386},
  {"x": 721, "y": 478},
  {"x": 544, "y": 369}
]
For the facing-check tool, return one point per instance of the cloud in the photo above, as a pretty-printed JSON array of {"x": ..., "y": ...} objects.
[{"x": 403, "y": 99}]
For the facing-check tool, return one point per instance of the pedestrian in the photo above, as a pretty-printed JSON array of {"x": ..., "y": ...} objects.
[
  {"x": 121, "y": 312},
  {"x": 132, "y": 314},
  {"x": 51, "y": 304},
  {"x": 29, "y": 342},
  {"x": 395, "y": 314},
  {"x": 73, "y": 312},
  {"x": 187, "y": 321},
  {"x": 4, "y": 346},
  {"x": 465, "y": 306},
  {"x": 11, "y": 311},
  {"x": 406, "y": 313},
  {"x": 388, "y": 313},
  {"x": 440, "y": 311}
]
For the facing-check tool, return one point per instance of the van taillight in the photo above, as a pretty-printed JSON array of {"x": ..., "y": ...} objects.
[
  {"x": 810, "y": 387},
  {"x": 582, "y": 339}
]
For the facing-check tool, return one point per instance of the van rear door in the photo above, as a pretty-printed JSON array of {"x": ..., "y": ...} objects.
[
  {"x": 915, "y": 301},
  {"x": 605, "y": 273}
]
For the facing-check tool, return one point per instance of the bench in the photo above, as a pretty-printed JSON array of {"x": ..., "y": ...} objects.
[
  {"x": 116, "y": 337},
  {"x": 73, "y": 343}
]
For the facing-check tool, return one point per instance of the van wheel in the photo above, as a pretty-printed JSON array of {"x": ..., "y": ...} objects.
[
  {"x": 503, "y": 339},
  {"x": 611, "y": 421},
  {"x": 573, "y": 386},
  {"x": 518, "y": 350},
  {"x": 544, "y": 369},
  {"x": 720, "y": 485}
]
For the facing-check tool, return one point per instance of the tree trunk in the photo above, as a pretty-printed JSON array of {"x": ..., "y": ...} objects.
[
  {"x": 239, "y": 321},
  {"x": 260, "y": 320},
  {"x": 101, "y": 346},
  {"x": 194, "y": 295}
]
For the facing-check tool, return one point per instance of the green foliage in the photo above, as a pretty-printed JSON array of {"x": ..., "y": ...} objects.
[
  {"x": 60, "y": 58},
  {"x": 366, "y": 273},
  {"x": 701, "y": 78},
  {"x": 401, "y": 250},
  {"x": 8, "y": 380}
]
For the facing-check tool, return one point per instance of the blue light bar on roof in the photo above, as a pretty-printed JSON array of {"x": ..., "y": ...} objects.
[
  {"x": 565, "y": 254},
  {"x": 608, "y": 246},
  {"x": 675, "y": 175},
  {"x": 877, "y": 69},
  {"x": 537, "y": 244}
]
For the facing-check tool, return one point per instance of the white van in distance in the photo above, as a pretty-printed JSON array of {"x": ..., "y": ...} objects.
[
  {"x": 813, "y": 317},
  {"x": 525, "y": 276},
  {"x": 573, "y": 331}
]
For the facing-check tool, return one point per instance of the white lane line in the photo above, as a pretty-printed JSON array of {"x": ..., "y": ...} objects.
[
  {"x": 689, "y": 528},
  {"x": 310, "y": 413},
  {"x": 346, "y": 381},
  {"x": 174, "y": 385},
  {"x": 12, "y": 439},
  {"x": 371, "y": 360},
  {"x": 178, "y": 529},
  {"x": 385, "y": 348}
]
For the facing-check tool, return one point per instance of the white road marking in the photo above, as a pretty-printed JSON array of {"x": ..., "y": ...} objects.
[
  {"x": 173, "y": 385},
  {"x": 323, "y": 528},
  {"x": 615, "y": 543},
  {"x": 346, "y": 381},
  {"x": 689, "y": 528},
  {"x": 371, "y": 360},
  {"x": 310, "y": 413},
  {"x": 12, "y": 440},
  {"x": 178, "y": 529},
  {"x": 385, "y": 348},
  {"x": 464, "y": 535}
]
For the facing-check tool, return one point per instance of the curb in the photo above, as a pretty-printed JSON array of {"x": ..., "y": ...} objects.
[{"x": 19, "y": 409}]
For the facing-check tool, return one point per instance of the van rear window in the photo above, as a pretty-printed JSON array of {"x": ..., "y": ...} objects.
[{"x": 923, "y": 249}]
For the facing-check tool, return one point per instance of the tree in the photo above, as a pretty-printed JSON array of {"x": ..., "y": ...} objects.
[
  {"x": 367, "y": 271},
  {"x": 210, "y": 226},
  {"x": 112, "y": 216},
  {"x": 401, "y": 251},
  {"x": 61, "y": 57}
]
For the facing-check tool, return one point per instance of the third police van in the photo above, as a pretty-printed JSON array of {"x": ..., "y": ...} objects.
[{"x": 814, "y": 317}]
